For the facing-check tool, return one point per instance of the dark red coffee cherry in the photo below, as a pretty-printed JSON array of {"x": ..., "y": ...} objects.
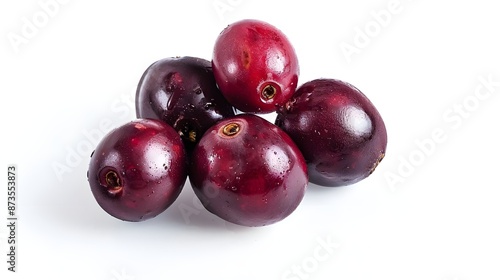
[
  {"x": 255, "y": 66},
  {"x": 338, "y": 130},
  {"x": 181, "y": 91},
  {"x": 138, "y": 170},
  {"x": 248, "y": 171}
]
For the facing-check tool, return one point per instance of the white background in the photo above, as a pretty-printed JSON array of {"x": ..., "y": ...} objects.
[{"x": 430, "y": 211}]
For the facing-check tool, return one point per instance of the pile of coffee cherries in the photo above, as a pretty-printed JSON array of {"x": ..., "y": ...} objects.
[{"x": 199, "y": 119}]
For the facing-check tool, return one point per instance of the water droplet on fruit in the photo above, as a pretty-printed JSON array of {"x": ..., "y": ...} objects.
[{"x": 208, "y": 105}]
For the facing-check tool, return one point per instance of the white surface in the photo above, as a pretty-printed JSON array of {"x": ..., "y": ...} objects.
[{"x": 76, "y": 75}]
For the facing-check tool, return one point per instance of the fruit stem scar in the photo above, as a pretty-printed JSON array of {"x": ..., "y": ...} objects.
[
  {"x": 113, "y": 184},
  {"x": 186, "y": 131},
  {"x": 231, "y": 129},
  {"x": 268, "y": 92},
  {"x": 192, "y": 136}
]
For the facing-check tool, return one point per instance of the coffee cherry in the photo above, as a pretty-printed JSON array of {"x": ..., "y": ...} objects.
[
  {"x": 255, "y": 66},
  {"x": 248, "y": 171},
  {"x": 138, "y": 169},
  {"x": 338, "y": 130}
]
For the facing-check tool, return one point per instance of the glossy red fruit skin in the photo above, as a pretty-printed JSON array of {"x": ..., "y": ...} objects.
[
  {"x": 181, "y": 91},
  {"x": 250, "y": 59},
  {"x": 255, "y": 177},
  {"x": 138, "y": 169},
  {"x": 338, "y": 130}
]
